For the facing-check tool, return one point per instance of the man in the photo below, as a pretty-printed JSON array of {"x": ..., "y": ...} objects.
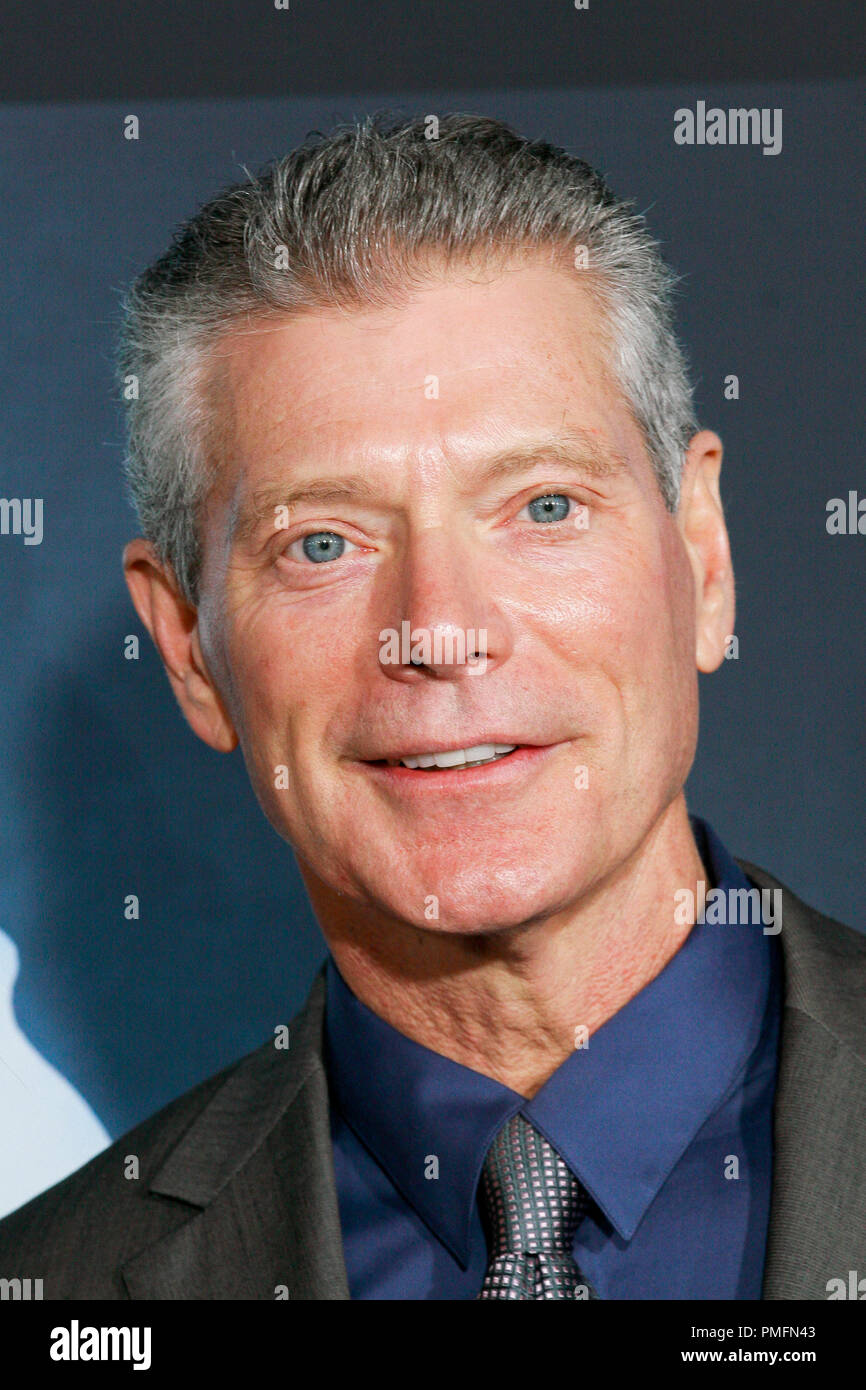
[{"x": 432, "y": 534}]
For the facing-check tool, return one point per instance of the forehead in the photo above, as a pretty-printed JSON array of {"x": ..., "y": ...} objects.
[{"x": 472, "y": 363}]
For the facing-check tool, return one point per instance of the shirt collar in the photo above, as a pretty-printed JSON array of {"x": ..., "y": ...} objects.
[{"x": 621, "y": 1111}]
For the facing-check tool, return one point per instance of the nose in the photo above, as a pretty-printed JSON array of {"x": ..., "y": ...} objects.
[{"x": 446, "y": 625}]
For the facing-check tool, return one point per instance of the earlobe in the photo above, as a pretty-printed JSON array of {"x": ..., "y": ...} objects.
[{"x": 173, "y": 625}]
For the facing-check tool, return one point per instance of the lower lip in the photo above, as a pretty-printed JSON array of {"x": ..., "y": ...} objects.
[{"x": 498, "y": 773}]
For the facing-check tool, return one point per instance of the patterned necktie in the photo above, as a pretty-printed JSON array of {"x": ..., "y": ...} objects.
[{"x": 531, "y": 1205}]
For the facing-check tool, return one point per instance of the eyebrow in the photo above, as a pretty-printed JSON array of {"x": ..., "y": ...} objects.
[
  {"x": 574, "y": 447},
  {"x": 249, "y": 516}
]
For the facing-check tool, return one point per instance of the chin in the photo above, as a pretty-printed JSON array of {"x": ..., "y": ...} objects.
[{"x": 478, "y": 900}]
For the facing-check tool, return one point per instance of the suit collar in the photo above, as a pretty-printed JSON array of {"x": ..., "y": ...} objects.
[
  {"x": 256, "y": 1170},
  {"x": 818, "y": 1205},
  {"x": 825, "y": 967},
  {"x": 253, "y": 1098}
]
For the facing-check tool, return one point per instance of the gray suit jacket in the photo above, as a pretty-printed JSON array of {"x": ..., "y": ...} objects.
[{"x": 236, "y": 1196}]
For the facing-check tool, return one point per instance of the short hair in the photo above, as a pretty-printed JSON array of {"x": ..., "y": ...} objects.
[{"x": 355, "y": 218}]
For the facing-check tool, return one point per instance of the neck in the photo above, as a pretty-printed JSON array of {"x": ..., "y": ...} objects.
[{"x": 514, "y": 1003}]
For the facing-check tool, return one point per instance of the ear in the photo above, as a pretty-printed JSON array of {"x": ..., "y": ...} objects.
[
  {"x": 702, "y": 523},
  {"x": 173, "y": 625}
]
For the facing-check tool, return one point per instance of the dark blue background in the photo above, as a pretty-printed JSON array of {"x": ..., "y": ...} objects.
[{"x": 105, "y": 791}]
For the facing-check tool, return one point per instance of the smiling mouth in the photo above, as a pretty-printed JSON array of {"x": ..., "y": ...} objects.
[{"x": 453, "y": 759}]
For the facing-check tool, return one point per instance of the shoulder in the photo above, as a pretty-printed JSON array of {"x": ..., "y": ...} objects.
[
  {"x": 824, "y": 964},
  {"x": 106, "y": 1199},
  {"x": 78, "y": 1235}
]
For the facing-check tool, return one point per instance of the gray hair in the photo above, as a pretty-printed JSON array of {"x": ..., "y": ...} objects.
[{"x": 350, "y": 219}]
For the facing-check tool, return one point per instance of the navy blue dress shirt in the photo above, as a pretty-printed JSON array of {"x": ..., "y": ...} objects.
[{"x": 665, "y": 1117}]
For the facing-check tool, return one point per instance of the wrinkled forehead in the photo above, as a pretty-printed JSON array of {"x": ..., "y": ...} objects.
[{"x": 472, "y": 372}]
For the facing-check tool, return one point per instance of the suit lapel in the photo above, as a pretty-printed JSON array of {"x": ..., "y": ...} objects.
[
  {"x": 256, "y": 1172},
  {"x": 818, "y": 1205}
]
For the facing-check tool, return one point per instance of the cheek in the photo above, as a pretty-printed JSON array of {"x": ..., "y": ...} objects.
[
  {"x": 651, "y": 627},
  {"x": 266, "y": 679},
  {"x": 259, "y": 661},
  {"x": 638, "y": 633},
  {"x": 290, "y": 668},
  {"x": 620, "y": 618},
  {"x": 608, "y": 605}
]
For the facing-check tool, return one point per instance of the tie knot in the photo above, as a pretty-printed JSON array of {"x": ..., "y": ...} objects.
[{"x": 530, "y": 1200}]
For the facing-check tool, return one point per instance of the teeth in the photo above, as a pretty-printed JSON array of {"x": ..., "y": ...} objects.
[
  {"x": 456, "y": 756},
  {"x": 459, "y": 757}
]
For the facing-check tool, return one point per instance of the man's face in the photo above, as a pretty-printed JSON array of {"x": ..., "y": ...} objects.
[{"x": 425, "y": 436}]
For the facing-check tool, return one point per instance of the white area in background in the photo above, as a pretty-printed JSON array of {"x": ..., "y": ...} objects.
[{"x": 47, "y": 1129}]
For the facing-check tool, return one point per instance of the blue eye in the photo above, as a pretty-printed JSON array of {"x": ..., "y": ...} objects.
[
  {"x": 553, "y": 506},
  {"x": 320, "y": 546}
]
